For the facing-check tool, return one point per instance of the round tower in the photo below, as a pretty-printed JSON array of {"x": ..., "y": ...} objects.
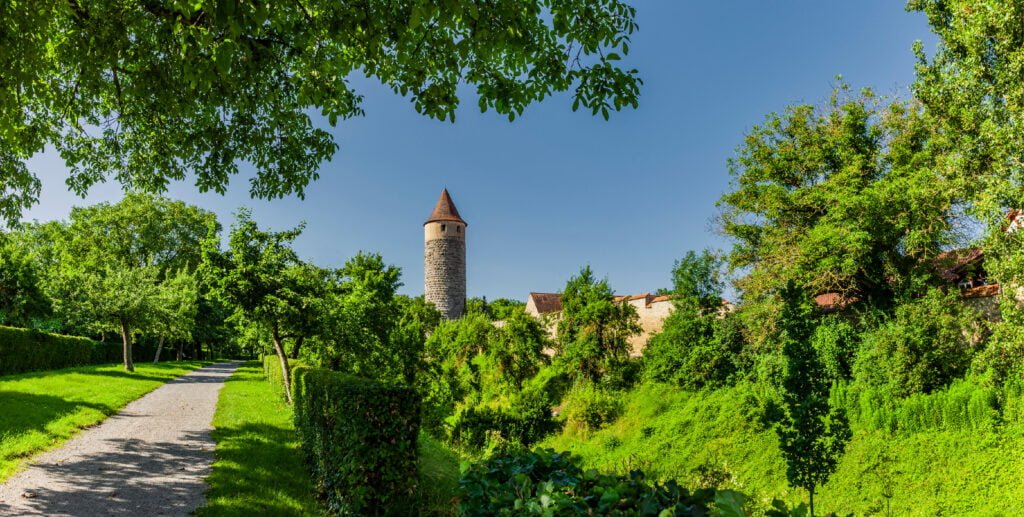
[{"x": 444, "y": 258}]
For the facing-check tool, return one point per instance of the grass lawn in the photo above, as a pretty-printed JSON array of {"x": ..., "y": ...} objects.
[
  {"x": 259, "y": 468},
  {"x": 41, "y": 410}
]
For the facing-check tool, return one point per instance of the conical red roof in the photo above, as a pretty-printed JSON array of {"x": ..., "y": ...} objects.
[{"x": 445, "y": 210}]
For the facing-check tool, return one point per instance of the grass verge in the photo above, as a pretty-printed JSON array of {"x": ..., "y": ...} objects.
[
  {"x": 41, "y": 410},
  {"x": 259, "y": 468},
  {"x": 439, "y": 477}
]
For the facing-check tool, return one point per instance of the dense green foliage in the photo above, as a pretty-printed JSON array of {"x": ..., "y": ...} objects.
[
  {"x": 359, "y": 437},
  {"x": 25, "y": 350},
  {"x": 154, "y": 92},
  {"x": 259, "y": 468},
  {"x": 812, "y": 433},
  {"x": 954, "y": 451},
  {"x": 42, "y": 410},
  {"x": 842, "y": 198},
  {"x": 593, "y": 330}
]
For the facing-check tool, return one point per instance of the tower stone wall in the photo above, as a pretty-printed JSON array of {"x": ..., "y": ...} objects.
[{"x": 444, "y": 259}]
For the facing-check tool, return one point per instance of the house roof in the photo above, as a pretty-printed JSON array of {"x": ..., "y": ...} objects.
[
  {"x": 546, "y": 302},
  {"x": 445, "y": 210},
  {"x": 834, "y": 301},
  {"x": 950, "y": 264},
  {"x": 982, "y": 291}
]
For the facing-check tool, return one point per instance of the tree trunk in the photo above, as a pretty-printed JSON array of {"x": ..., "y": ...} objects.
[
  {"x": 159, "y": 348},
  {"x": 181, "y": 350},
  {"x": 298, "y": 345},
  {"x": 126, "y": 341},
  {"x": 286, "y": 373},
  {"x": 811, "y": 491}
]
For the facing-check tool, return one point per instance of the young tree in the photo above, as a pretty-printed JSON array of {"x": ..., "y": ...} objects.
[
  {"x": 593, "y": 330},
  {"x": 261, "y": 277},
  {"x": 155, "y": 91},
  {"x": 812, "y": 434}
]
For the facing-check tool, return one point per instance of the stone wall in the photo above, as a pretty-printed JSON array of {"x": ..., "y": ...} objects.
[{"x": 444, "y": 263}]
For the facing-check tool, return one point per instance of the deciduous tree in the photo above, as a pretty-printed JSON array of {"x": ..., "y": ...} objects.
[{"x": 155, "y": 91}]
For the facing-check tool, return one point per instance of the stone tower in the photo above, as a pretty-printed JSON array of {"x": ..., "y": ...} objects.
[{"x": 444, "y": 258}]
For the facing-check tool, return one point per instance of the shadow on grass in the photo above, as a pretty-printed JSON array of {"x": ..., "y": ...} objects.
[
  {"x": 24, "y": 412},
  {"x": 258, "y": 459}
]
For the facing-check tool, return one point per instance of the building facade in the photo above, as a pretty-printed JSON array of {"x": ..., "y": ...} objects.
[{"x": 444, "y": 258}]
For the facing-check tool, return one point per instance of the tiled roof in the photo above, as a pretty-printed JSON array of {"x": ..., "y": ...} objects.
[
  {"x": 547, "y": 302},
  {"x": 833, "y": 301},
  {"x": 982, "y": 291},
  {"x": 445, "y": 210}
]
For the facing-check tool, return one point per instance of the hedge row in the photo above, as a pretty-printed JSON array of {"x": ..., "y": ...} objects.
[
  {"x": 359, "y": 437},
  {"x": 26, "y": 350}
]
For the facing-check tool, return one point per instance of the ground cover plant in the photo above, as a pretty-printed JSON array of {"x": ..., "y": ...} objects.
[
  {"x": 259, "y": 468},
  {"x": 43, "y": 409}
]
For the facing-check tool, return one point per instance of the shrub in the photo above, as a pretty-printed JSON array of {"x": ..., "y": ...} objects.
[
  {"x": 359, "y": 437},
  {"x": 26, "y": 350},
  {"x": 589, "y": 408},
  {"x": 544, "y": 482},
  {"x": 922, "y": 348},
  {"x": 526, "y": 421}
]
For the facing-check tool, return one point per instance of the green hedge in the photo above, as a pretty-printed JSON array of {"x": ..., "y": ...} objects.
[
  {"x": 26, "y": 350},
  {"x": 359, "y": 437}
]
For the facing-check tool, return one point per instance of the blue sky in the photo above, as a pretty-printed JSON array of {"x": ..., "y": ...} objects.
[{"x": 555, "y": 190}]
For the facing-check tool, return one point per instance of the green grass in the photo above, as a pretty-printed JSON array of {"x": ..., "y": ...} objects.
[
  {"x": 259, "y": 468},
  {"x": 41, "y": 410},
  {"x": 700, "y": 436},
  {"x": 439, "y": 477}
]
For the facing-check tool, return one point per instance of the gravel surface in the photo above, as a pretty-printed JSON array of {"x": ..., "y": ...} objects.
[{"x": 150, "y": 459}]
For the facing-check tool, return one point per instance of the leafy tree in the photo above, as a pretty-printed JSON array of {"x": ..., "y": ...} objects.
[
  {"x": 177, "y": 307},
  {"x": 812, "y": 434},
  {"x": 125, "y": 267},
  {"x": 922, "y": 347},
  {"x": 261, "y": 277},
  {"x": 518, "y": 348},
  {"x": 593, "y": 330},
  {"x": 22, "y": 300},
  {"x": 153, "y": 91},
  {"x": 698, "y": 344},
  {"x": 972, "y": 90},
  {"x": 848, "y": 198},
  {"x": 497, "y": 310}
]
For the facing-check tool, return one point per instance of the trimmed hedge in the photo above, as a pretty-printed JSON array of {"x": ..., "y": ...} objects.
[
  {"x": 27, "y": 350},
  {"x": 359, "y": 437}
]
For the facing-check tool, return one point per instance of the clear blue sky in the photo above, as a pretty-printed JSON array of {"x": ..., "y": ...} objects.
[{"x": 555, "y": 189}]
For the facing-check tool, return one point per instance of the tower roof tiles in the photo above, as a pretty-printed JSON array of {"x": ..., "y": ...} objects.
[{"x": 445, "y": 210}]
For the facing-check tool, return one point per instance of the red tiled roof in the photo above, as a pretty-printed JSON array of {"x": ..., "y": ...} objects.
[
  {"x": 547, "y": 302},
  {"x": 445, "y": 210},
  {"x": 833, "y": 301},
  {"x": 982, "y": 291}
]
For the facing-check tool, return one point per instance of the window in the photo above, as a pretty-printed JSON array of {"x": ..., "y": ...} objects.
[
  {"x": 443, "y": 226},
  {"x": 458, "y": 229}
]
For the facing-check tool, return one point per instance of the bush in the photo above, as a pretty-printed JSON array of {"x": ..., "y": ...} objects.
[
  {"x": 922, "y": 348},
  {"x": 359, "y": 437},
  {"x": 544, "y": 482},
  {"x": 589, "y": 408},
  {"x": 26, "y": 350},
  {"x": 526, "y": 421}
]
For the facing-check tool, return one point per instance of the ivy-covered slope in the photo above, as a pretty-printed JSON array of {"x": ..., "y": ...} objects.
[{"x": 954, "y": 466}]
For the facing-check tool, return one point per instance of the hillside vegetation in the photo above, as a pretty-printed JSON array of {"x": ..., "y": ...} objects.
[{"x": 952, "y": 462}]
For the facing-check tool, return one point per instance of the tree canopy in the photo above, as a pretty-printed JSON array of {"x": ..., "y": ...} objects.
[
  {"x": 157, "y": 91},
  {"x": 846, "y": 198}
]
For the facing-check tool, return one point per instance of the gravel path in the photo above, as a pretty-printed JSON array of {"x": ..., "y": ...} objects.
[{"x": 149, "y": 459}]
